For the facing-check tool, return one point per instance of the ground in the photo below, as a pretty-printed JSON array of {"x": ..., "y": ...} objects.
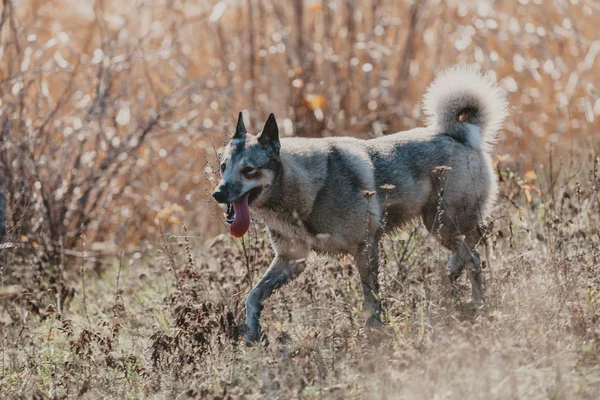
[{"x": 165, "y": 325}]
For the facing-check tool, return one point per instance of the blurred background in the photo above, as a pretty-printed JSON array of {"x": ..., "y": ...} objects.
[
  {"x": 118, "y": 278},
  {"x": 112, "y": 112}
]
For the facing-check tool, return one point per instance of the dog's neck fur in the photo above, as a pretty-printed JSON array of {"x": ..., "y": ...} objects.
[{"x": 288, "y": 195}]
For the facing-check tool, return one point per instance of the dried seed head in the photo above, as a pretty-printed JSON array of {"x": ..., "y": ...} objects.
[
  {"x": 441, "y": 171},
  {"x": 387, "y": 186},
  {"x": 368, "y": 193}
]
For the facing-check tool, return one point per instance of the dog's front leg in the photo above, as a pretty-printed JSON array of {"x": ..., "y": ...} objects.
[{"x": 281, "y": 270}]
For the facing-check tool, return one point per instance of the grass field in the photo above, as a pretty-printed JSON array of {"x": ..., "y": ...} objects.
[
  {"x": 165, "y": 325},
  {"x": 117, "y": 279}
]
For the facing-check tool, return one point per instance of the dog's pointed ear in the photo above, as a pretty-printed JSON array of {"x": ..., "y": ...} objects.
[
  {"x": 270, "y": 133},
  {"x": 240, "y": 128}
]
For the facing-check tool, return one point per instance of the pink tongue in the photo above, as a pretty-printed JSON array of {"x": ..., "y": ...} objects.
[{"x": 240, "y": 224}]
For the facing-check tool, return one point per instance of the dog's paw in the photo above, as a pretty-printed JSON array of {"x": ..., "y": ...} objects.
[
  {"x": 376, "y": 331},
  {"x": 251, "y": 337},
  {"x": 476, "y": 304},
  {"x": 374, "y": 322},
  {"x": 453, "y": 272}
]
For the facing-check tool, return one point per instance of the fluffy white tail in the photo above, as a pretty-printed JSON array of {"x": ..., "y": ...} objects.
[{"x": 466, "y": 105}]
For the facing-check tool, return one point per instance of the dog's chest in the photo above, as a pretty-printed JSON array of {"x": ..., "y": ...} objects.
[
  {"x": 294, "y": 230},
  {"x": 288, "y": 226}
]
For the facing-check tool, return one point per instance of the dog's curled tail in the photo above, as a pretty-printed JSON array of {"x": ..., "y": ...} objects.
[{"x": 466, "y": 105}]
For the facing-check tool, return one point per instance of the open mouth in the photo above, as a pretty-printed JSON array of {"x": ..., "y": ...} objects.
[
  {"x": 238, "y": 213},
  {"x": 230, "y": 214}
]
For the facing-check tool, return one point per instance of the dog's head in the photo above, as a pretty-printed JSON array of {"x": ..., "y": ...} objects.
[{"x": 248, "y": 167}]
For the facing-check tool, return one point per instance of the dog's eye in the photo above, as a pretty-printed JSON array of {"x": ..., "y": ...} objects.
[
  {"x": 223, "y": 167},
  {"x": 247, "y": 170}
]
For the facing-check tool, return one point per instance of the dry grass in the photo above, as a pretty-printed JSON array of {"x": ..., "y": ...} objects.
[
  {"x": 166, "y": 326},
  {"x": 111, "y": 115}
]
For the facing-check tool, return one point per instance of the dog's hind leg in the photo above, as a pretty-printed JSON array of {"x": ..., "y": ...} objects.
[
  {"x": 459, "y": 229},
  {"x": 476, "y": 278},
  {"x": 367, "y": 261},
  {"x": 467, "y": 256},
  {"x": 279, "y": 273}
]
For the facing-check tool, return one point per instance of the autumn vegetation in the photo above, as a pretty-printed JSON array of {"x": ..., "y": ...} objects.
[{"x": 117, "y": 278}]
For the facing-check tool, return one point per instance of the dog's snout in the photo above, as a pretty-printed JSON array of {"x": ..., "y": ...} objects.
[{"x": 220, "y": 195}]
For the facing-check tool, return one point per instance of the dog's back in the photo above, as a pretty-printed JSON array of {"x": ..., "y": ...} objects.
[
  {"x": 444, "y": 171},
  {"x": 343, "y": 188}
]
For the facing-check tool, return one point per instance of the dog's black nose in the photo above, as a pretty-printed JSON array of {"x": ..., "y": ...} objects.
[{"x": 220, "y": 196}]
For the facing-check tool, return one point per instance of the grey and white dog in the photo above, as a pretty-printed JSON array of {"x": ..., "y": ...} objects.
[{"x": 341, "y": 194}]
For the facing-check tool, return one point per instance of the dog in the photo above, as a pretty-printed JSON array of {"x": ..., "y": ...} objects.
[{"x": 342, "y": 194}]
